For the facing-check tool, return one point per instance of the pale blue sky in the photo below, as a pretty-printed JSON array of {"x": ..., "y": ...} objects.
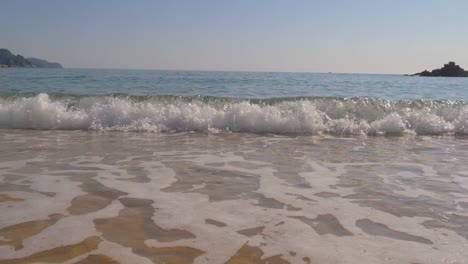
[{"x": 365, "y": 36}]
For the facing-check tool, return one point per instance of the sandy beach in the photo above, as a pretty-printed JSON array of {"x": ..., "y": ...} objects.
[{"x": 87, "y": 197}]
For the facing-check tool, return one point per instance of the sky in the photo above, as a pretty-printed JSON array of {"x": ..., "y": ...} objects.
[{"x": 351, "y": 36}]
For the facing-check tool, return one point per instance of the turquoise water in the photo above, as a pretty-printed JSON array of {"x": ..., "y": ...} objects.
[
  {"x": 185, "y": 101},
  {"x": 230, "y": 84}
]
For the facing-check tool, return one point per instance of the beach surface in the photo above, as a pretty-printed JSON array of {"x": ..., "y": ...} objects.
[{"x": 116, "y": 197}]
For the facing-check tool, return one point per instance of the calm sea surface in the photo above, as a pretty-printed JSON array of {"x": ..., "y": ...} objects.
[
  {"x": 230, "y": 84},
  {"x": 130, "y": 166}
]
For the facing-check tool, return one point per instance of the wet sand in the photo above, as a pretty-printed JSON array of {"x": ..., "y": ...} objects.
[{"x": 86, "y": 197}]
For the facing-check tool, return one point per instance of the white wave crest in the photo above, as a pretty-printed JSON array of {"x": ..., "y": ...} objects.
[{"x": 298, "y": 117}]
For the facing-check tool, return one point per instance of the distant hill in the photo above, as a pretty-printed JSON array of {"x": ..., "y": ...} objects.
[
  {"x": 8, "y": 59},
  {"x": 449, "y": 70},
  {"x": 38, "y": 63}
]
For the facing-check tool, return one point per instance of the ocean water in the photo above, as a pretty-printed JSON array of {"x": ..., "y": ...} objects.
[
  {"x": 280, "y": 103},
  {"x": 133, "y": 166}
]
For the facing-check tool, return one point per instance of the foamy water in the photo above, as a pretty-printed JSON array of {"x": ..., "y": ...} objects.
[{"x": 281, "y": 116}]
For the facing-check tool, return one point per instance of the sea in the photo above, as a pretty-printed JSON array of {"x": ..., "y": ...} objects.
[{"x": 149, "y": 166}]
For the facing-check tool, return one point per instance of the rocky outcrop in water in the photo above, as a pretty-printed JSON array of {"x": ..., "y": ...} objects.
[
  {"x": 8, "y": 59},
  {"x": 449, "y": 70}
]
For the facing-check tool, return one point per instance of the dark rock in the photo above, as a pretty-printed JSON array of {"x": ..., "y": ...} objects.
[{"x": 449, "y": 70}]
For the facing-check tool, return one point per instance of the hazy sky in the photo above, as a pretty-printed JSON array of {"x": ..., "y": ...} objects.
[{"x": 368, "y": 36}]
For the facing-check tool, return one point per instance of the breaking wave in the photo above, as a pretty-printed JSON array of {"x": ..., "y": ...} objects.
[{"x": 309, "y": 115}]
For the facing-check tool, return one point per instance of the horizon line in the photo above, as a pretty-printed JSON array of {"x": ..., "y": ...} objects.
[{"x": 240, "y": 71}]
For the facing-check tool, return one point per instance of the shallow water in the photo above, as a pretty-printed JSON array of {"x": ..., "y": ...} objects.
[{"x": 77, "y": 196}]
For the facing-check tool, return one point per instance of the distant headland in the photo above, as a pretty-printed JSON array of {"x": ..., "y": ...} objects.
[
  {"x": 449, "y": 70},
  {"x": 7, "y": 59}
]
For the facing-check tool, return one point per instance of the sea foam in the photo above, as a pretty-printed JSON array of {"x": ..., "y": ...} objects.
[{"x": 282, "y": 116}]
